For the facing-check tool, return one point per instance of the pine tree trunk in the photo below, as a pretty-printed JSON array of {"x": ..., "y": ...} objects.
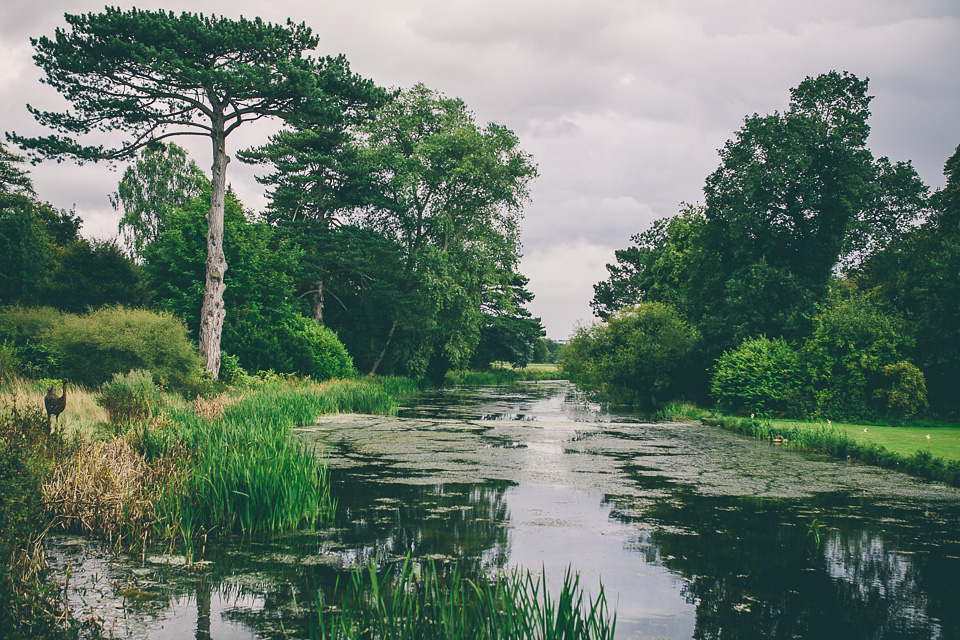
[{"x": 212, "y": 313}]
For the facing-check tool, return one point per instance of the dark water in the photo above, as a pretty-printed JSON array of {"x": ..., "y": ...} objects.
[{"x": 694, "y": 532}]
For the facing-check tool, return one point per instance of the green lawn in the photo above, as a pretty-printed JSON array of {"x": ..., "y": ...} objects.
[{"x": 944, "y": 441}]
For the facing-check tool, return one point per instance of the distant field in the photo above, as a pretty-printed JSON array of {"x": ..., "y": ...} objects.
[
  {"x": 944, "y": 441},
  {"x": 532, "y": 366}
]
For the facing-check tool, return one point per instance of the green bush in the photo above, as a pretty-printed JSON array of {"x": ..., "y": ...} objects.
[
  {"x": 9, "y": 363},
  {"x": 633, "y": 356},
  {"x": 904, "y": 395},
  {"x": 113, "y": 340},
  {"x": 851, "y": 343},
  {"x": 758, "y": 376},
  {"x": 314, "y": 350},
  {"x": 129, "y": 397}
]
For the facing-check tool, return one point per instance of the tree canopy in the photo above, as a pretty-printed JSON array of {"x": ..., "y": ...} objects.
[{"x": 152, "y": 75}]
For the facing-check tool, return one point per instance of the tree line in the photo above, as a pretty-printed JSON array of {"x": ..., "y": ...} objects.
[
  {"x": 814, "y": 279},
  {"x": 392, "y": 216}
]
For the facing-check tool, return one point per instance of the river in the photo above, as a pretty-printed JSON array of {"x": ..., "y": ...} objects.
[{"x": 694, "y": 532}]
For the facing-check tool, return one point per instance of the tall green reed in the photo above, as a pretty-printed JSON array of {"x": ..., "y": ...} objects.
[
  {"x": 419, "y": 603},
  {"x": 244, "y": 472}
]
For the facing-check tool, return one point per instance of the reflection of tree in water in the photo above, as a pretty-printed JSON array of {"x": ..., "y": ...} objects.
[
  {"x": 753, "y": 570},
  {"x": 462, "y": 522}
]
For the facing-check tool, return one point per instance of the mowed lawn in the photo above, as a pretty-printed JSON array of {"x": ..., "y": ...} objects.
[{"x": 943, "y": 441}]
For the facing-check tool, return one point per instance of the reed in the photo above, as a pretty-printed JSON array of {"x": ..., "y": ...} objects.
[
  {"x": 420, "y": 603},
  {"x": 244, "y": 472}
]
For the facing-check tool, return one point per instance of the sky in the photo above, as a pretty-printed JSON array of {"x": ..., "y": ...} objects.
[{"x": 622, "y": 103}]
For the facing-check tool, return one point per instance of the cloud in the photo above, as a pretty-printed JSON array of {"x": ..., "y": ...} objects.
[
  {"x": 562, "y": 276},
  {"x": 623, "y": 103}
]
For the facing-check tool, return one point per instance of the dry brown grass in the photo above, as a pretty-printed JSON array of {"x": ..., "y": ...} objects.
[
  {"x": 211, "y": 409},
  {"x": 82, "y": 415},
  {"x": 107, "y": 489}
]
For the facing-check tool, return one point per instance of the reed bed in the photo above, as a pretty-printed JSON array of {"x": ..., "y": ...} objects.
[
  {"x": 245, "y": 473},
  {"x": 421, "y": 604}
]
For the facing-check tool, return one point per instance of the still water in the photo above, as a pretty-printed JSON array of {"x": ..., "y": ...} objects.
[{"x": 694, "y": 532}]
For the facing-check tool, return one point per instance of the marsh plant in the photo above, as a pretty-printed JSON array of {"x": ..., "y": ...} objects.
[
  {"x": 130, "y": 397},
  {"x": 421, "y": 602}
]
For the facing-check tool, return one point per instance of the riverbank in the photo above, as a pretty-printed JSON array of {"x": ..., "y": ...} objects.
[{"x": 929, "y": 452}]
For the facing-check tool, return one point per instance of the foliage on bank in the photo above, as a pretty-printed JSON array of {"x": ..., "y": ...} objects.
[{"x": 830, "y": 439}]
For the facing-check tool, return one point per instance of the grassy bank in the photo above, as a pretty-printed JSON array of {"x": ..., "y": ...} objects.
[
  {"x": 421, "y": 604},
  {"x": 905, "y": 449},
  {"x": 186, "y": 471},
  {"x": 499, "y": 376}
]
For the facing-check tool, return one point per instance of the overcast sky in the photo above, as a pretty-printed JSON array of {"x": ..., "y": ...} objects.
[{"x": 622, "y": 103}]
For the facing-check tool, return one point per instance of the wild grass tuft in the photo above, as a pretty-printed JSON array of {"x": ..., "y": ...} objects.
[
  {"x": 421, "y": 604},
  {"x": 130, "y": 397},
  {"x": 681, "y": 411}
]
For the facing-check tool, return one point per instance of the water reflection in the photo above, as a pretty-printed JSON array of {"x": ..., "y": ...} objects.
[{"x": 695, "y": 532}]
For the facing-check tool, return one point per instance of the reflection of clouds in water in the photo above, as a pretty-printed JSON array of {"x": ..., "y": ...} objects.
[
  {"x": 870, "y": 570},
  {"x": 866, "y": 563}
]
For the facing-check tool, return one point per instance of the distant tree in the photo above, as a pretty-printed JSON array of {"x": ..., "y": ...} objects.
[
  {"x": 154, "y": 75},
  {"x": 88, "y": 274},
  {"x": 633, "y": 356},
  {"x": 656, "y": 268},
  {"x": 451, "y": 198},
  {"x": 162, "y": 179},
  {"x": 918, "y": 275},
  {"x": 13, "y": 179},
  {"x": 508, "y": 331}
]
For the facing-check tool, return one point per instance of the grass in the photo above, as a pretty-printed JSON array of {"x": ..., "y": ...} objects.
[
  {"x": 501, "y": 376},
  {"x": 421, "y": 604},
  {"x": 184, "y": 471},
  {"x": 943, "y": 441}
]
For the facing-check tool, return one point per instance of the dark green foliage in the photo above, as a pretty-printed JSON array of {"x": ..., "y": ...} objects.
[
  {"x": 851, "y": 343},
  {"x": 917, "y": 275},
  {"x": 313, "y": 350},
  {"x": 259, "y": 294},
  {"x": 903, "y": 394},
  {"x": 657, "y": 268},
  {"x": 759, "y": 376},
  {"x": 435, "y": 604},
  {"x": 13, "y": 179},
  {"x": 130, "y": 397},
  {"x": 633, "y": 356},
  {"x": 91, "y": 274},
  {"x": 26, "y": 254}
]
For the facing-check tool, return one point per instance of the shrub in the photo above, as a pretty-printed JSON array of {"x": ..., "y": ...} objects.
[
  {"x": 117, "y": 340},
  {"x": 633, "y": 356},
  {"x": 129, "y": 397},
  {"x": 852, "y": 342},
  {"x": 9, "y": 363},
  {"x": 314, "y": 350},
  {"x": 905, "y": 393},
  {"x": 758, "y": 376}
]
